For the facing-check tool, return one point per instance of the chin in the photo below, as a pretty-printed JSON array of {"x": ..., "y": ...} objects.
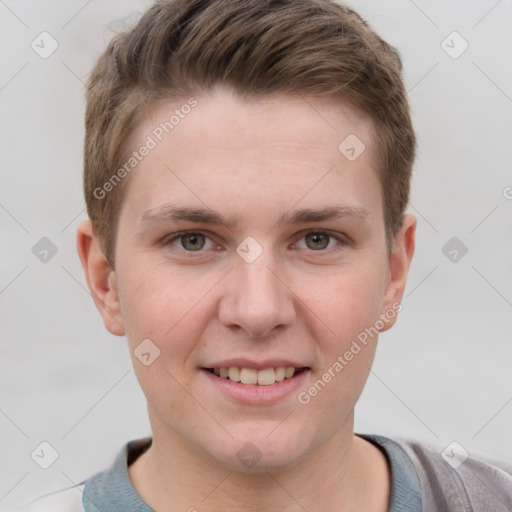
[
  {"x": 260, "y": 454},
  {"x": 260, "y": 464}
]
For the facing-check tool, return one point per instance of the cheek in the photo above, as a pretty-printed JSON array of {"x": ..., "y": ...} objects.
[
  {"x": 345, "y": 302},
  {"x": 164, "y": 308},
  {"x": 167, "y": 307},
  {"x": 345, "y": 314},
  {"x": 345, "y": 309},
  {"x": 152, "y": 299}
]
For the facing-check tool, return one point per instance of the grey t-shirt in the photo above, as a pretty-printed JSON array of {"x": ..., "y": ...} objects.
[
  {"x": 113, "y": 487},
  {"x": 421, "y": 481}
]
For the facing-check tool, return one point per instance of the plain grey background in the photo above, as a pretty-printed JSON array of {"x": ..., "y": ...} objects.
[{"x": 442, "y": 374}]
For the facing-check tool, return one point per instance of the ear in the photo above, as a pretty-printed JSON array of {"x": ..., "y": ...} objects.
[
  {"x": 398, "y": 266},
  {"x": 100, "y": 278}
]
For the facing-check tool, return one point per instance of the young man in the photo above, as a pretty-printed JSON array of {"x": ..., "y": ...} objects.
[{"x": 247, "y": 169}]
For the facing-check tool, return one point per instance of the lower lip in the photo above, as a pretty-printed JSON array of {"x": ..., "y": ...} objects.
[{"x": 254, "y": 394}]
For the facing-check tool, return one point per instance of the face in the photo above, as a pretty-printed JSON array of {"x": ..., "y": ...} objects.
[{"x": 250, "y": 241}]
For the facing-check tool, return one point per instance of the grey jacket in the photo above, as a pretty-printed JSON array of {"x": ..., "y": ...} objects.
[
  {"x": 423, "y": 480},
  {"x": 473, "y": 486}
]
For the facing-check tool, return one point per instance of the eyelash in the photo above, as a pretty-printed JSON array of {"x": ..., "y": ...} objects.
[{"x": 339, "y": 238}]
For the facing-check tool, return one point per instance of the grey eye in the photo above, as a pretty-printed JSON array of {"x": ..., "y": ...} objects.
[
  {"x": 318, "y": 240},
  {"x": 192, "y": 241}
]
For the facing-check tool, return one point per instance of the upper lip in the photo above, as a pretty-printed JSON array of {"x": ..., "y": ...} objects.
[{"x": 256, "y": 365}]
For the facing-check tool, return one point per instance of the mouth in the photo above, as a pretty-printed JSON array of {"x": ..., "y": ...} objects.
[{"x": 252, "y": 376}]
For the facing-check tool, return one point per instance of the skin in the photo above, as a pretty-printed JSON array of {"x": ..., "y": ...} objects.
[{"x": 252, "y": 161}]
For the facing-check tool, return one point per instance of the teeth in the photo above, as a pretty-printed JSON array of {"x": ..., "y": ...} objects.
[
  {"x": 234, "y": 374},
  {"x": 265, "y": 377},
  {"x": 248, "y": 376},
  {"x": 280, "y": 373}
]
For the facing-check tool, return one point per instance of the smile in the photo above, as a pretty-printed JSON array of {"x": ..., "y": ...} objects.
[
  {"x": 262, "y": 386},
  {"x": 263, "y": 377}
]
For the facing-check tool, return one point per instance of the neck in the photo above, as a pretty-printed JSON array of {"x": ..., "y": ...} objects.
[{"x": 338, "y": 476}]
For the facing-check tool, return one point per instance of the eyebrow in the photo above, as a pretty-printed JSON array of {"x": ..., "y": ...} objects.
[{"x": 170, "y": 213}]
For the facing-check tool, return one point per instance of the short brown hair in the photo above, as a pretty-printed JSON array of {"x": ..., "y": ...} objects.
[{"x": 257, "y": 48}]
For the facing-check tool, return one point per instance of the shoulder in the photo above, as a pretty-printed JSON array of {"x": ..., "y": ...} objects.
[
  {"x": 452, "y": 478},
  {"x": 66, "y": 500}
]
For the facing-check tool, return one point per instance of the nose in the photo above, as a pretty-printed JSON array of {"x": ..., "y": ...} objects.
[{"x": 257, "y": 298}]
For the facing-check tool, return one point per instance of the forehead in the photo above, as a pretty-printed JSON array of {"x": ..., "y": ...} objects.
[
  {"x": 220, "y": 148},
  {"x": 224, "y": 119}
]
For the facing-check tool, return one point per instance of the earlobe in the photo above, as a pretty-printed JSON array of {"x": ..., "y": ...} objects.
[
  {"x": 398, "y": 268},
  {"x": 100, "y": 277}
]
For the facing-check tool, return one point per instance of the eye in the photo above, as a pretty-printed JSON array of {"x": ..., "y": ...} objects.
[
  {"x": 320, "y": 241},
  {"x": 191, "y": 241},
  {"x": 195, "y": 241}
]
